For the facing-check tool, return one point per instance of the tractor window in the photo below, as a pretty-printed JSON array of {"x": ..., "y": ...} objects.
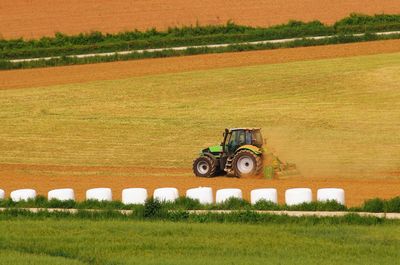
[
  {"x": 234, "y": 140},
  {"x": 230, "y": 142},
  {"x": 241, "y": 138},
  {"x": 248, "y": 137},
  {"x": 257, "y": 139}
]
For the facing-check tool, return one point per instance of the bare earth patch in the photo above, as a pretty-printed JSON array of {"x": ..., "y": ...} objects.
[{"x": 33, "y": 19}]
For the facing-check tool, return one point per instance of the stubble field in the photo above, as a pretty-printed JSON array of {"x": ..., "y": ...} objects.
[{"x": 335, "y": 118}]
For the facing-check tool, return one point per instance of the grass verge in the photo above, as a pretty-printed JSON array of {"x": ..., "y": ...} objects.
[
  {"x": 154, "y": 207},
  {"x": 163, "y": 214},
  {"x": 65, "y": 60}
]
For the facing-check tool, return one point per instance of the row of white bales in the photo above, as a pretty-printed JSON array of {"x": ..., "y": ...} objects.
[{"x": 293, "y": 196}]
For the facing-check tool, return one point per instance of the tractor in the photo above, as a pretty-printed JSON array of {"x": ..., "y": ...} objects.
[{"x": 239, "y": 154}]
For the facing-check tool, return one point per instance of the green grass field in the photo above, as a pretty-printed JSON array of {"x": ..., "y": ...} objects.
[
  {"x": 52, "y": 241},
  {"x": 330, "y": 117}
]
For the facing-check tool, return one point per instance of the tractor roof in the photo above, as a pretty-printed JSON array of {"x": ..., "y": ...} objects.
[{"x": 244, "y": 128}]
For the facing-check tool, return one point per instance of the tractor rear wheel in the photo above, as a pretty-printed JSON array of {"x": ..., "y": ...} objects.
[
  {"x": 204, "y": 166},
  {"x": 246, "y": 163}
]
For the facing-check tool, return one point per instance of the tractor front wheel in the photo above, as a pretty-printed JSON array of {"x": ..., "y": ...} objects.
[
  {"x": 246, "y": 163},
  {"x": 204, "y": 166}
]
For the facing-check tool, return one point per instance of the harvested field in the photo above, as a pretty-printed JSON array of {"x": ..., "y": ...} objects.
[
  {"x": 116, "y": 70},
  {"x": 335, "y": 118},
  {"x": 13, "y": 177},
  {"x": 33, "y": 19}
]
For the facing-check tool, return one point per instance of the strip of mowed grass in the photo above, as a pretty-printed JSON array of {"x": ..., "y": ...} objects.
[
  {"x": 49, "y": 241},
  {"x": 327, "y": 116}
]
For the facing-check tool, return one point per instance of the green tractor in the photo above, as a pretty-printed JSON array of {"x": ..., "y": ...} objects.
[{"x": 239, "y": 154}]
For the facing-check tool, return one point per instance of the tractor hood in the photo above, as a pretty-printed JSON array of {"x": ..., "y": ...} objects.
[{"x": 215, "y": 149}]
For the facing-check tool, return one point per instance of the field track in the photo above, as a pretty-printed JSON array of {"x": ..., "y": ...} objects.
[
  {"x": 33, "y": 19},
  {"x": 182, "y": 48},
  {"x": 29, "y": 78},
  {"x": 15, "y": 177}
]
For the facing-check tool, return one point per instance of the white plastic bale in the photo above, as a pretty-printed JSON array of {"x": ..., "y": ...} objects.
[
  {"x": 61, "y": 194},
  {"x": 298, "y": 196},
  {"x": 267, "y": 194},
  {"x": 2, "y": 194},
  {"x": 225, "y": 194},
  {"x": 134, "y": 196},
  {"x": 166, "y": 194},
  {"x": 99, "y": 194},
  {"x": 23, "y": 195},
  {"x": 331, "y": 194},
  {"x": 203, "y": 194}
]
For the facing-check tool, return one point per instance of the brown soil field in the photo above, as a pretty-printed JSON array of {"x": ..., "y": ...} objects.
[
  {"x": 28, "y": 78},
  {"x": 13, "y": 177},
  {"x": 33, "y": 19}
]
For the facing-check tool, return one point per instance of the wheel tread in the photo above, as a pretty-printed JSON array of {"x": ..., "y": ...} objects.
[
  {"x": 212, "y": 163},
  {"x": 257, "y": 159}
]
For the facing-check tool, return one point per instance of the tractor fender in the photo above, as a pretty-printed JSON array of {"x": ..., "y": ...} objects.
[
  {"x": 209, "y": 155},
  {"x": 213, "y": 157},
  {"x": 252, "y": 148}
]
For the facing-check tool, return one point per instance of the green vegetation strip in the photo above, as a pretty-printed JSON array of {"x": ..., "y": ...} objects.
[
  {"x": 51, "y": 240},
  {"x": 63, "y": 46},
  {"x": 389, "y": 35},
  {"x": 306, "y": 42},
  {"x": 185, "y": 214},
  {"x": 155, "y": 234},
  {"x": 238, "y": 216},
  {"x": 154, "y": 208}
]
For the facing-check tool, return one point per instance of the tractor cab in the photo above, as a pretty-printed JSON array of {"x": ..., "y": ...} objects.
[
  {"x": 237, "y": 137},
  {"x": 239, "y": 154}
]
